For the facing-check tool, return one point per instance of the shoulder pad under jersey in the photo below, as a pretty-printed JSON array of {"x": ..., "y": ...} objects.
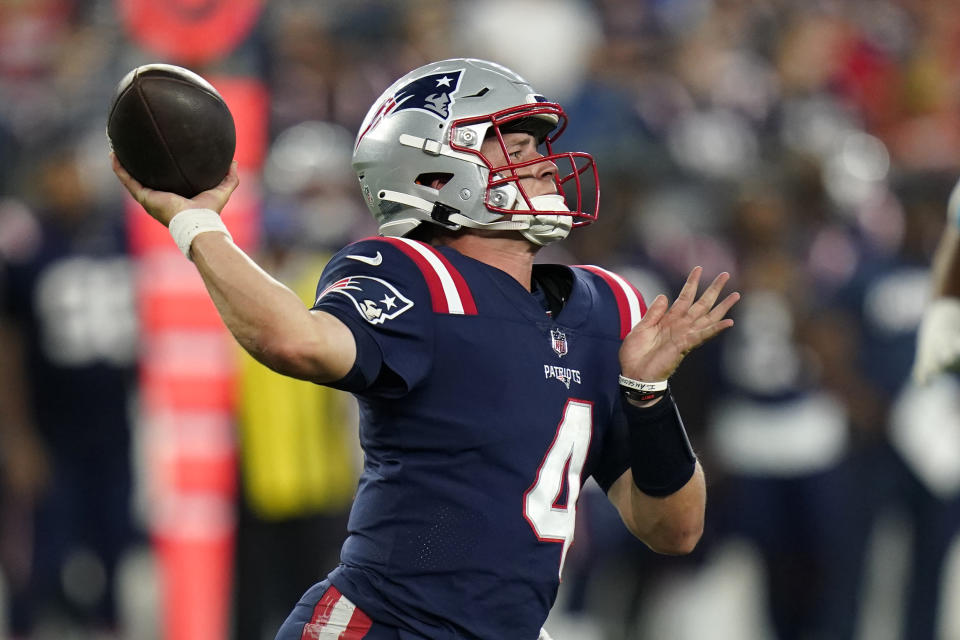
[{"x": 630, "y": 303}]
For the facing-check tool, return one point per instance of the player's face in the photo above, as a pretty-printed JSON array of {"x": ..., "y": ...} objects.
[{"x": 538, "y": 178}]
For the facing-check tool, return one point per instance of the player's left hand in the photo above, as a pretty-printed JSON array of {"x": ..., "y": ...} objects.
[{"x": 653, "y": 350}]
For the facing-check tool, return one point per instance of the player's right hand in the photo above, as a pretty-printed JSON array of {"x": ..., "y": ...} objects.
[{"x": 162, "y": 205}]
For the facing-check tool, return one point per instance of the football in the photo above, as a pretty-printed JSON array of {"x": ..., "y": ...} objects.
[{"x": 171, "y": 130}]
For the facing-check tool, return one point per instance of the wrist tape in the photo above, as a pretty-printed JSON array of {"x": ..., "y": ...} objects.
[
  {"x": 661, "y": 458},
  {"x": 189, "y": 223}
]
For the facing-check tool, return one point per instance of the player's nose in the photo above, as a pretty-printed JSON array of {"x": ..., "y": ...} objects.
[{"x": 544, "y": 169}]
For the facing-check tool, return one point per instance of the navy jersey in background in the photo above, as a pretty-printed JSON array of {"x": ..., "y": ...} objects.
[{"x": 67, "y": 300}]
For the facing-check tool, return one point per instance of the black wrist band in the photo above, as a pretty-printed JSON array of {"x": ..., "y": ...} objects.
[{"x": 661, "y": 458}]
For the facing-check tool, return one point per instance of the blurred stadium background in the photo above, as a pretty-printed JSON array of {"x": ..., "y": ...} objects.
[{"x": 807, "y": 147}]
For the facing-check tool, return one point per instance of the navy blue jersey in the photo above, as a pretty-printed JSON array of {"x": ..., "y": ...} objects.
[
  {"x": 71, "y": 297},
  {"x": 481, "y": 416},
  {"x": 66, "y": 288}
]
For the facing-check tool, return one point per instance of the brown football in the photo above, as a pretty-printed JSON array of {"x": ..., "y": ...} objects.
[{"x": 171, "y": 130}]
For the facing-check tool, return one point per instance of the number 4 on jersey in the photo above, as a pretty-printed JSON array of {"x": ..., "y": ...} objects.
[{"x": 552, "y": 518}]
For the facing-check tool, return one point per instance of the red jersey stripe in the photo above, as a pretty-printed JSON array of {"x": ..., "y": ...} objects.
[
  {"x": 466, "y": 298},
  {"x": 437, "y": 297},
  {"x": 449, "y": 292},
  {"x": 358, "y": 627},
  {"x": 322, "y": 610},
  {"x": 335, "y": 616},
  {"x": 629, "y": 301}
]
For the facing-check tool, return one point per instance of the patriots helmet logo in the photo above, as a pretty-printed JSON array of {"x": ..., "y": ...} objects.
[
  {"x": 431, "y": 94},
  {"x": 376, "y": 300}
]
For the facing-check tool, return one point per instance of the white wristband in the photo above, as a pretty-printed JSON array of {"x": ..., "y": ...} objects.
[
  {"x": 643, "y": 387},
  {"x": 643, "y": 391},
  {"x": 189, "y": 223}
]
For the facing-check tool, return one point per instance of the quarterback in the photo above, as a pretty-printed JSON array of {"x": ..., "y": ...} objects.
[{"x": 490, "y": 387}]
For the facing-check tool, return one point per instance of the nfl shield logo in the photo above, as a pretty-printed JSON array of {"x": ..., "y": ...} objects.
[{"x": 558, "y": 340}]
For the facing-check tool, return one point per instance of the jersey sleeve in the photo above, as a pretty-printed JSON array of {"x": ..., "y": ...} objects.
[
  {"x": 614, "y": 457},
  {"x": 629, "y": 303},
  {"x": 380, "y": 294},
  {"x": 620, "y": 307}
]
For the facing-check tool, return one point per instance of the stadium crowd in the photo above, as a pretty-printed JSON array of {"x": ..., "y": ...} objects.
[{"x": 807, "y": 148}]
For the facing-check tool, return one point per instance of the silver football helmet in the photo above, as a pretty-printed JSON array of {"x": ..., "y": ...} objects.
[{"x": 418, "y": 158}]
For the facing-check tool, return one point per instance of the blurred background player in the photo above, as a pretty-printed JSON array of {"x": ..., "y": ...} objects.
[
  {"x": 781, "y": 437},
  {"x": 68, "y": 348}
]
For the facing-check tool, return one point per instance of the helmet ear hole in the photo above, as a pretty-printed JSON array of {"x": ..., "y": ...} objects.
[{"x": 435, "y": 180}]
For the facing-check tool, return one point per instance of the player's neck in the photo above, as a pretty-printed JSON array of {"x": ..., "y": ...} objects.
[{"x": 510, "y": 253}]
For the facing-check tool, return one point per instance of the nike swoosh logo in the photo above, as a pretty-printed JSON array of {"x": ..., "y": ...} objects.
[{"x": 373, "y": 262}]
